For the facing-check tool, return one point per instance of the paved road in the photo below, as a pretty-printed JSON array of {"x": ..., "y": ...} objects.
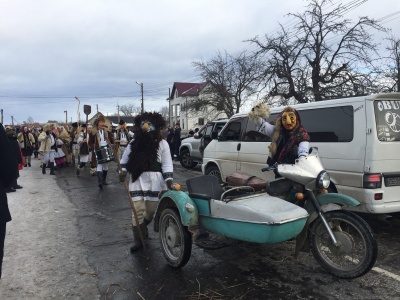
[{"x": 68, "y": 240}]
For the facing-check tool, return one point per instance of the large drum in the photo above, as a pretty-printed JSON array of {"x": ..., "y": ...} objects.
[{"x": 104, "y": 154}]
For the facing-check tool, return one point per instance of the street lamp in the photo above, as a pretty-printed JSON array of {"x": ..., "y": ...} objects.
[
  {"x": 141, "y": 87},
  {"x": 66, "y": 117}
]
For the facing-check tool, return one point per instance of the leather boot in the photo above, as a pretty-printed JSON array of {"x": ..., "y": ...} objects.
[
  {"x": 137, "y": 243},
  {"x": 100, "y": 179},
  {"x": 104, "y": 177},
  {"x": 43, "y": 168},
  {"x": 52, "y": 169}
]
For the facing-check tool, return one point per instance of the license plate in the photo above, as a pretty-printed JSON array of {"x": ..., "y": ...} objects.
[{"x": 392, "y": 181}]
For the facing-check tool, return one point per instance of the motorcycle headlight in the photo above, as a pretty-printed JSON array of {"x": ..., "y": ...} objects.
[{"x": 323, "y": 180}]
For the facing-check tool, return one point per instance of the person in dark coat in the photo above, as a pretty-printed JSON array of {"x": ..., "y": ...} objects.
[
  {"x": 12, "y": 137},
  {"x": 170, "y": 141},
  {"x": 8, "y": 173},
  {"x": 177, "y": 140}
]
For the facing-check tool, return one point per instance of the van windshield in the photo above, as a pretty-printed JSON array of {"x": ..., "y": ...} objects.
[{"x": 387, "y": 119}]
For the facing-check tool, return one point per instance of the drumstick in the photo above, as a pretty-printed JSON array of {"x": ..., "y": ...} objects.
[{"x": 132, "y": 206}]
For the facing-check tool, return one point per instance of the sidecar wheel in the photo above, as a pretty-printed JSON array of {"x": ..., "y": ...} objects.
[
  {"x": 214, "y": 171},
  {"x": 176, "y": 241},
  {"x": 357, "y": 251}
]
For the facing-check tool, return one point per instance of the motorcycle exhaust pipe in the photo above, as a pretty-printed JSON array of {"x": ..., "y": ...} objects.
[{"x": 384, "y": 217}]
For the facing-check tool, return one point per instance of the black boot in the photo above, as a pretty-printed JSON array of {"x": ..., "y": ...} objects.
[
  {"x": 137, "y": 242},
  {"x": 100, "y": 179},
  {"x": 52, "y": 169},
  {"x": 43, "y": 168},
  {"x": 105, "y": 177}
]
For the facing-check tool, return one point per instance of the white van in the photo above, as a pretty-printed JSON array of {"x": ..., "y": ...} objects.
[{"x": 357, "y": 138}]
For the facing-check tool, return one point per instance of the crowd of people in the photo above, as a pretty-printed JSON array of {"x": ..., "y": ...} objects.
[{"x": 143, "y": 152}]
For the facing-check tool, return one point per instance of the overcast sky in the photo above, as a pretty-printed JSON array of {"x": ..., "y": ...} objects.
[{"x": 54, "y": 50}]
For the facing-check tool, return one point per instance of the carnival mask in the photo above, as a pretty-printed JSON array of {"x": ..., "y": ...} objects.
[
  {"x": 147, "y": 126},
  {"x": 289, "y": 120}
]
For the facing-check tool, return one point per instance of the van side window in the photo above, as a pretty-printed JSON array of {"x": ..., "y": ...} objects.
[
  {"x": 327, "y": 125},
  {"x": 253, "y": 135},
  {"x": 232, "y": 131}
]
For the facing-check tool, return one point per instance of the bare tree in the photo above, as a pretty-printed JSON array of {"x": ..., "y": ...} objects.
[
  {"x": 391, "y": 78},
  {"x": 129, "y": 110},
  {"x": 232, "y": 80},
  {"x": 319, "y": 59},
  {"x": 164, "y": 111}
]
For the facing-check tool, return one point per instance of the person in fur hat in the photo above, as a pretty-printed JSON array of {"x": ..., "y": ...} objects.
[
  {"x": 84, "y": 150},
  {"x": 122, "y": 138},
  {"x": 48, "y": 146},
  {"x": 27, "y": 144},
  {"x": 289, "y": 138},
  {"x": 101, "y": 137},
  {"x": 148, "y": 160}
]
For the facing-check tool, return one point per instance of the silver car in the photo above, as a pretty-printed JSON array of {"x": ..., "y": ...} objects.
[{"x": 192, "y": 148}]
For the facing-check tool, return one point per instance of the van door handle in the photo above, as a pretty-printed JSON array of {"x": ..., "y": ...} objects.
[{"x": 238, "y": 146}]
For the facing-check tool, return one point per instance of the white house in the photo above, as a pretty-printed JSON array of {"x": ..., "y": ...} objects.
[{"x": 182, "y": 94}]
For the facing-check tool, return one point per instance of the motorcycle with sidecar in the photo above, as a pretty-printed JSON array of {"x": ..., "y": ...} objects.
[{"x": 341, "y": 241}]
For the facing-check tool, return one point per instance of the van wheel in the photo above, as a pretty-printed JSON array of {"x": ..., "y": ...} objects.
[
  {"x": 185, "y": 160},
  {"x": 214, "y": 171}
]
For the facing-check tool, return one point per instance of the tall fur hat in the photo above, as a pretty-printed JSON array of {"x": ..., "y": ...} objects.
[
  {"x": 260, "y": 110},
  {"x": 154, "y": 121}
]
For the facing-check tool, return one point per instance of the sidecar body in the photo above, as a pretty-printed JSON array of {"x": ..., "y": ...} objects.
[{"x": 252, "y": 217}]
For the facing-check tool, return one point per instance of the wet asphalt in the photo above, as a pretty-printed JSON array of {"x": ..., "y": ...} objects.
[{"x": 236, "y": 270}]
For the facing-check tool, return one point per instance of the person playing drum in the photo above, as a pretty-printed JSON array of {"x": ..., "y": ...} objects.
[{"x": 100, "y": 140}]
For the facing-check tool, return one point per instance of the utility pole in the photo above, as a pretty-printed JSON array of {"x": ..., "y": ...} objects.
[
  {"x": 118, "y": 111},
  {"x": 1, "y": 116},
  {"x": 12, "y": 121},
  {"x": 141, "y": 88},
  {"x": 169, "y": 106},
  {"x": 66, "y": 117}
]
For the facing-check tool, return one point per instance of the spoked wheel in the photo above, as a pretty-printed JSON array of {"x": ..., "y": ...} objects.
[
  {"x": 185, "y": 159},
  {"x": 214, "y": 171},
  {"x": 357, "y": 251},
  {"x": 176, "y": 242}
]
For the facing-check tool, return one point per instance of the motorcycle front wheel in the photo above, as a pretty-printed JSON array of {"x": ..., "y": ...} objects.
[
  {"x": 176, "y": 242},
  {"x": 357, "y": 249}
]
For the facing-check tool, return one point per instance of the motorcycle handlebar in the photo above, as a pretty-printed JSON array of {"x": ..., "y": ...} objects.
[{"x": 270, "y": 168}]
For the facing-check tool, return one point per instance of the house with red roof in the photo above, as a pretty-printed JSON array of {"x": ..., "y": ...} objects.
[{"x": 181, "y": 95}]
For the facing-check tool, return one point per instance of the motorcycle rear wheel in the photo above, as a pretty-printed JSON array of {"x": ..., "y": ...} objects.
[
  {"x": 357, "y": 252},
  {"x": 176, "y": 242}
]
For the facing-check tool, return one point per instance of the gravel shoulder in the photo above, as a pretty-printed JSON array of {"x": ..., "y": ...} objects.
[{"x": 43, "y": 256}]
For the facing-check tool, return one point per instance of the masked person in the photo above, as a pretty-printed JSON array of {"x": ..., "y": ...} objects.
[
  {"x": 148, "y": 160},
  {"x": 84, "y": 150},
  {"x": 101, "y": 139},
  {"x": 27, "y": 144},
  {"x": 289, "y": 139},
  {"x": 48, "y": 146}
]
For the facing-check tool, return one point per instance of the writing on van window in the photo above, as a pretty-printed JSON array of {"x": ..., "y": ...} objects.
[
  {"x": 385, "y": 105},
  {"x": 358, "y": 108},
  {"x": 387, "y": 119}
]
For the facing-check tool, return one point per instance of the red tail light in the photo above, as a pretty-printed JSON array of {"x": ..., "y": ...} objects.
[{"x": 372, "y": 181}]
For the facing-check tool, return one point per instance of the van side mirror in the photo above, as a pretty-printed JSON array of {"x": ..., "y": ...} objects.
[{"x": 214, "y": 135}]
